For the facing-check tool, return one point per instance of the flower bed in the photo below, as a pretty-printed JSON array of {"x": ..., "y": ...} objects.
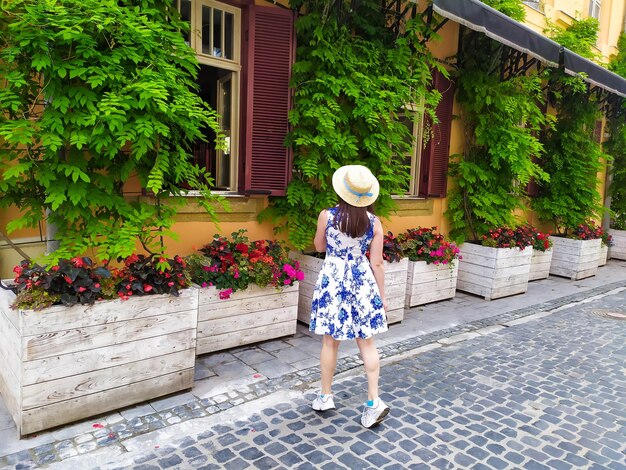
[
  {"x": 433, "y": 266},
  {"x": 65, "y": 363},
  {"x": 499, "y": 267},
  {"x": 542, "y": 254},
  {"x": 249, "y": 292}
]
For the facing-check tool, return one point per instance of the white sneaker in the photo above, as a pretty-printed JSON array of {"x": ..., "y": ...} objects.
[
  {"x": 323, "y": 403},
  {"x": 373, "y": 415}
]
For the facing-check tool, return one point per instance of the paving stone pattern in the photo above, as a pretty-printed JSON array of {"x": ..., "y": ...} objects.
[{"x": 547, "y": 397}]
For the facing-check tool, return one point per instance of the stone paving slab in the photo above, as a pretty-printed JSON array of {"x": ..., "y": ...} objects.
[{"x": 546, "y": 394}]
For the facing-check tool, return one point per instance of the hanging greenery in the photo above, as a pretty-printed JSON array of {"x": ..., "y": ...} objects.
[
  {"x": 94, "y": 94},
  {"x": 352, "y": 80},
  {"x": 616, "y": 146},
  {"x": 573, "y": 158},
  {"x": 501, "y": 119}
]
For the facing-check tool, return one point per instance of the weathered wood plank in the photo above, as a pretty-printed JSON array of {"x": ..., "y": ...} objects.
[
  {"x": 267, "y": 300},
  {"x": 67, "y": 411},
  {"x": 42, "y": 370},
  {"x": 540, "y": 265},
  {"x": 74, "y": 386},
  {"x": 603, "y": 255},
  {"x": 245, "y": 321},
  {"x": 395, "y": 315},
  {"x": 505, "y": 272},
  {"x": 11, "y": 393},
  {"x": 59, "y": 318},
  {"x": 219, "y": 342},
  {"x": 618, "y": 250},
  {"x": 565, "y": 262},
  {"x": 10, "y": 345},
  {"x": 431, "y": 286},
  {"x": 210, "y": 295},
  {"x": 426, "y": 297},
  {"x": 93, "y": 337}
]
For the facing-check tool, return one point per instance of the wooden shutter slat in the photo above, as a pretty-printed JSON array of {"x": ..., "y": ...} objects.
[{"x": 270, "y": 48}]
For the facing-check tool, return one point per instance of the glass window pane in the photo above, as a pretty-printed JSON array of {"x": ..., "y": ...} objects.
[
  {"x": 206, "y": 30},
  {"x": 229, "y": 34},
  {"x": 217, "y": 32}
]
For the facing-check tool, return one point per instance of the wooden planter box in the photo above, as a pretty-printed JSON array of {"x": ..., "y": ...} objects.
[
  {"x": 310, "y": 266},
  {"x": 576, "y": 259},
  {"x": 618, "y": 250},
  {"x": 63, "y": 364},
  {"x": 540, "y": 264},
  {"x": 429, "y": 282},
  {"x": 395, "y": 287},
  {"x": 493, "y": 272},
  {"x": 248, "y": 316},
  {"x": 603, "y": 255}
]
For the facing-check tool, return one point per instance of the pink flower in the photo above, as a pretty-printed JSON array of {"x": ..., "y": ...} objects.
[
  {"x": 236, "y": 275},
  {"x": 287, "y": 282},
  {"x": 225, "y": 294},
  {"x": 204, "y": 284},
  {"x": 299, "y": 275}
]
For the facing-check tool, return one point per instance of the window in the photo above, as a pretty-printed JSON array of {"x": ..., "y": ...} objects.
[
  {"x": 594, "y": 8},
  {"x": 429, "y": 160},
  {"x": 536, "y": 4},
  {"x": 215, "y": 35},
  {"x": 245, "y": 57}
]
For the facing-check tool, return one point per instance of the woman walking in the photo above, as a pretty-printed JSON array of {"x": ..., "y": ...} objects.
[{"x": 349, "y": 297}]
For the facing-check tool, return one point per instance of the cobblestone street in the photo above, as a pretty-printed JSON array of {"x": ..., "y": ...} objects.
[{"x": 543, "y": 391}]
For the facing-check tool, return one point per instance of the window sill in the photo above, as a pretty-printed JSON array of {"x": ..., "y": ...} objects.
[
  {"x": 241, "y": 208},
  {"x": 411, "y": 206}
]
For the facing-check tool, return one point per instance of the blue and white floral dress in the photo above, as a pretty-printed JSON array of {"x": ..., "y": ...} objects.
[{"x": 346, "y": 300}]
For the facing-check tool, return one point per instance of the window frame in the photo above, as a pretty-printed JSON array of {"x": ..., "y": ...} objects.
[
  {"x": 416, "y": 149},
  {"x": 595, "y": 6},
  {"x": 233, "y": 65}
]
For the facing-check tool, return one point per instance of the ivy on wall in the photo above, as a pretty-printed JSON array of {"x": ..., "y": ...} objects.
[
  {"x": 502, "y": 120},
  {"x": 92, "y": 94},
  {"x": 351, "y": 80},
  {"x": 616, "y": 146},
  {"x": 573, "y": 158}
]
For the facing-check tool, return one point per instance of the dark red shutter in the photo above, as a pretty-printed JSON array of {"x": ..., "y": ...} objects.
[
  {"x": 433, "y": 180},
  {"x": 268, "y": 54}
]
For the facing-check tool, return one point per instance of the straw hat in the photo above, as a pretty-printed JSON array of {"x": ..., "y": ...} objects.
[{"x": 356, "y": 185}]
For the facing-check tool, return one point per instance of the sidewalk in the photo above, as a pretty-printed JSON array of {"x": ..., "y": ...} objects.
[{"x": 240, "y": 376}]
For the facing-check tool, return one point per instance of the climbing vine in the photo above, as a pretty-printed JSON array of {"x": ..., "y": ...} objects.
[
  {"x": 502, "y": 119},
  {"x": 572, "y": 157},
  {"x": 92, "y": 95},
  {"x": 616, "y": 146},
  {"x": 353, "y": 79}
]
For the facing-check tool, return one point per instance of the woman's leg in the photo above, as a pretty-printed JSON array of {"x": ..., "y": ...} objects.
[
  {"x": 369, "y": 355},
  {"x": 328, "y": 362}
]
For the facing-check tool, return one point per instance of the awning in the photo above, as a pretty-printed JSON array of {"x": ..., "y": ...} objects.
[
  {"x": 480, "y": 17},
  {"x": 595, "y": 74}
]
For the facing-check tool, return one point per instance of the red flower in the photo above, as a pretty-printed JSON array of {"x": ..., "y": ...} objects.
[{"x": 241, "y": 247}]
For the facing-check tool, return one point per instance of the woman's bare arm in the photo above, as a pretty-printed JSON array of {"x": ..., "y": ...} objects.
[
  {"x": 376, "y": 259},
  {"x": 320, "y": 234}
]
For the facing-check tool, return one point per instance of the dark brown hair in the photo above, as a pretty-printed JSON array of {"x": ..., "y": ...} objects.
[{"x": 351, "y": 220}]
